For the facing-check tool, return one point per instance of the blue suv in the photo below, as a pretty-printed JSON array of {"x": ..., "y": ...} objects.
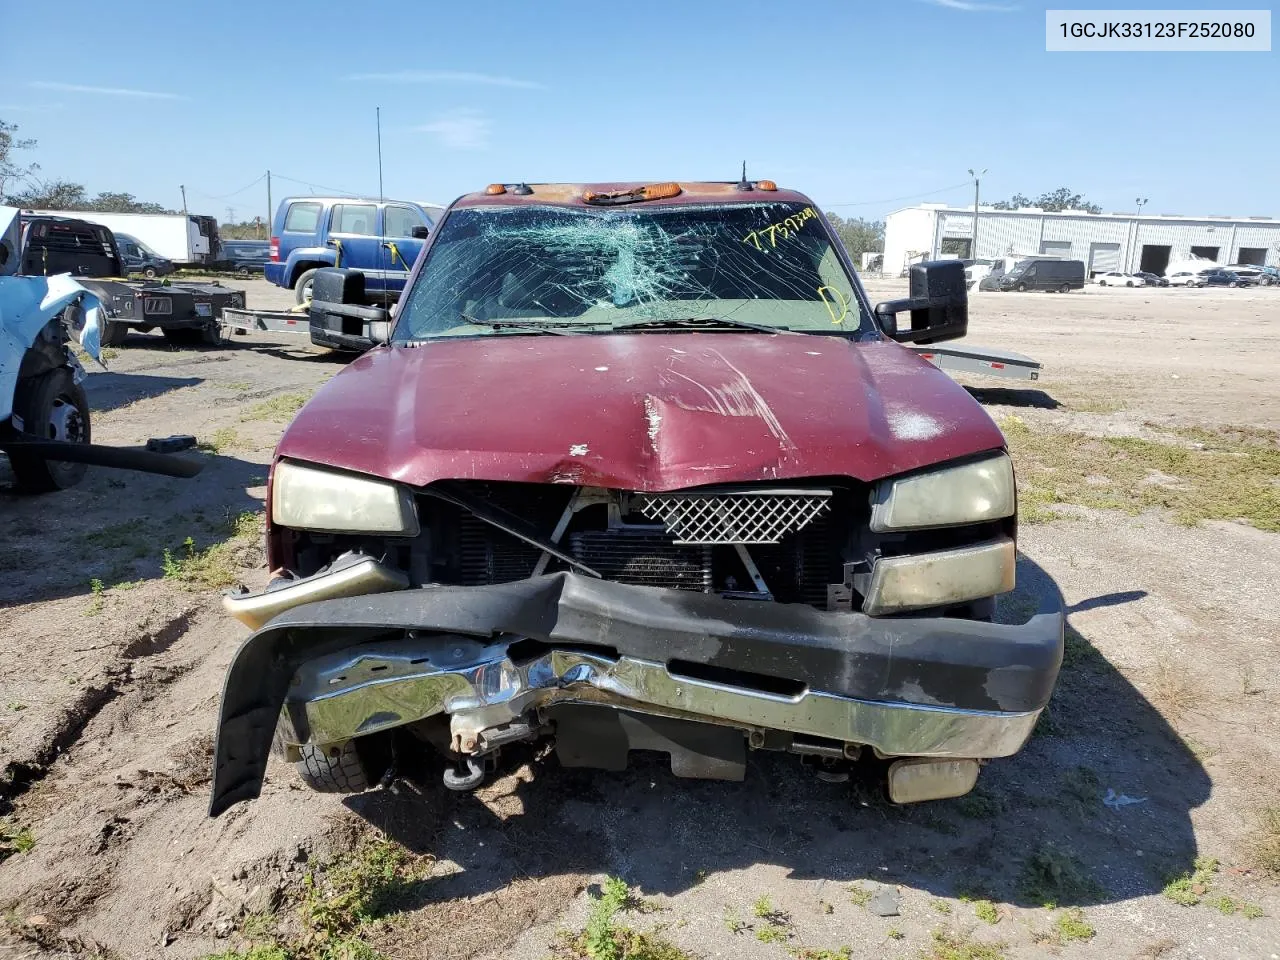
[{"x": 380, "y": 238}]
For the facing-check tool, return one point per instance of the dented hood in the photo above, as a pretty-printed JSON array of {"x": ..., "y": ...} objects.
[{"x": 639, "y": 412}]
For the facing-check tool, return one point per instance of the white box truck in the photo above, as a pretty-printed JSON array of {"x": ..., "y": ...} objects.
[{"x": 186, "y": 239}]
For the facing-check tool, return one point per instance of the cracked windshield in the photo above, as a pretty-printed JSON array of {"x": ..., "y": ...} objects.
[{"x": 513, "y": 270}]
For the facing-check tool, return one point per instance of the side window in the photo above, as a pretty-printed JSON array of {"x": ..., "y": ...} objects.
[
  {"x": 1030, "y": 273},
  {"x": 360, "y": 219},
  {"x": 302, "y": 218},
  {"x": 400, "y": 221}
]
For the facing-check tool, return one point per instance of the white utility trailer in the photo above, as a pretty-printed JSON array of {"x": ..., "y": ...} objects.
[{"x": 985, "y": 361}]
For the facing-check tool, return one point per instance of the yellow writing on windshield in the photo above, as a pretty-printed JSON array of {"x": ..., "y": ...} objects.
[
  {"x": 783, "y": 228},
  {"x": 837, "y": 303}
]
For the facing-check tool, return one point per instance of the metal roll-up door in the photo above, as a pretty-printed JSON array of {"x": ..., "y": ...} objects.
[
  {"x": 1056, "y": 248},
  {"x": 1104, "y": 257}
]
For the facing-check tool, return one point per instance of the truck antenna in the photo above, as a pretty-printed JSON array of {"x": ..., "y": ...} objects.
[
  {"x": 378, "y": 114},
  {"x": 744, "y": 184}
]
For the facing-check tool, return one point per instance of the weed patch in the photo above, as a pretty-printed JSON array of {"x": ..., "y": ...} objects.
[
  {"x": 948, "y": 945},
  {"x": 1173, "y": 689},
  {"x": 215, "y": 565},
  {"x": 1265, "y": 847},
  {"x": 1071, "y": 925},
  {"x": 278, "y": 409},
  {"x": 986, "y": 911},
  {"x": 1190, "y": 887},
  {"x": 224, "y": 438},
  {"x": 1052, "y": 877},
  {"x": 15, "y": 840},
  {"x": 859, "y": 895},
  {"x": 1210, "y": 475},
  {"x": 604, "y": 938}
]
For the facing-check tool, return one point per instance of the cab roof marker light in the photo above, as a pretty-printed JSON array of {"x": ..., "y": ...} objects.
[
  {"x": 494, "y": 189},
  {"x": 766, "y": 185}
]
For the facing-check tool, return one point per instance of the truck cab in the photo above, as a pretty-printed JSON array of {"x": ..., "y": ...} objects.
[{"x": 380, "y": 238}]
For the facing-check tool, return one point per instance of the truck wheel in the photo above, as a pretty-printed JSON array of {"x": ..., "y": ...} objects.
[
  {"x": 1065, "y": 288},
  {"x": 338, "y": 770},
  {"x": 149, "y": 273},
  {"x": 1021, "y": 288},
  {"x": 113, "y": 333},
  {"x": 242, "y": 272},
  {"x": 52, "y": 407},
  {"x": 303, "y": 286},
  {"x": 211, "y": 335}
]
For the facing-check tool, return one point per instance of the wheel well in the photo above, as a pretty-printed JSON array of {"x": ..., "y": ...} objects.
[{"x": 300, "y": 268}]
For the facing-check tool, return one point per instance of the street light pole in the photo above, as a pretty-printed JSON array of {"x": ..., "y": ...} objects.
[
  {"x": 973, "y": 243},
  {"x": 1141, "y": 203}
]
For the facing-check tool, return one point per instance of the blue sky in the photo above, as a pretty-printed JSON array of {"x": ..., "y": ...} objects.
[{"x": 866, "y": 105}]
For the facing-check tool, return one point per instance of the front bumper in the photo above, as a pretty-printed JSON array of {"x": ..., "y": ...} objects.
[{"x": 916, "y": 687}]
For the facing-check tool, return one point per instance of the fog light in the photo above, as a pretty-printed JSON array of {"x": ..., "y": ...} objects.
[
  {"x": 940, "y": 579},
  {"x": 912, "y": 781}
]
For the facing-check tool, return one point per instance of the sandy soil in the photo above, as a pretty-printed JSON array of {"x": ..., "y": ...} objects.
[{"x": 108, "y": 699}]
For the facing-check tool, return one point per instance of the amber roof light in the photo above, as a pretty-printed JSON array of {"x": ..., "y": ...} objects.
[
  {"x": 494, "y": 189},
  {"x": 652, "y": 191},
  {"x": 766, "y": 185}
]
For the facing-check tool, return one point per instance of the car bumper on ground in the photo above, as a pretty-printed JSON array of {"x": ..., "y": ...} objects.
[{"x": 908, "y": 687}]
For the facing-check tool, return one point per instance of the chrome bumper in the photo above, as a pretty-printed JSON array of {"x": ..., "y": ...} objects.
[{"x": 380, "y": 686}]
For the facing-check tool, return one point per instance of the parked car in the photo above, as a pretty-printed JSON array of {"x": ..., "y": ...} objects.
[
  {"x": 1256, "y": 275},
  {"x": 380, "y": 238},
  {"x": 717, "y": 506},
  {"x": 1184, "y": 278},
  {"x": 1223, "y": 278},
  {"x": 1115, "y": 278},
  {"x": 1061, "y": 276},
  {"x": 137, "y": 257},
  {"x": 1152, "y": 279},
  {"x": 246, "y": 257}
]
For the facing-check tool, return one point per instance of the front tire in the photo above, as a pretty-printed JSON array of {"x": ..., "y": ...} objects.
[
  {"x": 52, "y": 407},
  {"x": 1021, "y": 288},
  {"x": 113, "y": 333},
  {"x": 1065, "y": 288},
  {"x": 337, "y": 770},
  {"x": 149, "y": 273},
  {"x": 303, "y": 287}
]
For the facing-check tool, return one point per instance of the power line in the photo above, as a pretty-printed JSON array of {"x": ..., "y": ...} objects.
[
  {"x": 312, "y": 185},
  {"x": 911, "y": 196},
  {"x": 225, "y": 196}
]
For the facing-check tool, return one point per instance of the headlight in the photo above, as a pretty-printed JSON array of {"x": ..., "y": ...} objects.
[
  {"x": 941, "y": 579},
  {"x": 969, "y": 493},
  {"x": 307, "y": 498}
]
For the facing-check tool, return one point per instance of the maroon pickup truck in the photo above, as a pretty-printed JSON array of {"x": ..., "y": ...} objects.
[{"x": 638, "y": 467}]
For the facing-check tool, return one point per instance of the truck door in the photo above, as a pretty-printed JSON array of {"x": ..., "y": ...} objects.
[
  {"x": 355, "y": 227},
  {"x": 400, "y": 247}
]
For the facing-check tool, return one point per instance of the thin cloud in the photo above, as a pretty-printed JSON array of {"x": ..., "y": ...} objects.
[
  {"x": 461, "y": 129},
  {"x": 28, "y": 107},
  {"x": 970, "y": 6},
  {"x": 105, "y": 91},
  {"x": 449, "y": 76}
]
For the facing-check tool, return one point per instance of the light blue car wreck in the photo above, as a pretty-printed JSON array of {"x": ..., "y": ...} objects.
[{"x": 44, "y": 413}]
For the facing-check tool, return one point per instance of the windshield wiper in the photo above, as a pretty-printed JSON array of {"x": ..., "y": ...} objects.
[
  {"x": 700, "y": 323},
  {"x": 555, "y": 327}
]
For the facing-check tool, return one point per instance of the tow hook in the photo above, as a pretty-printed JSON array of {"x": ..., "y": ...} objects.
[{"x": 466, "y": 775}]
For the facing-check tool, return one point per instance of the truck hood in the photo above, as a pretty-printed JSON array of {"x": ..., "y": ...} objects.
[{"x": 643, "y": 412}]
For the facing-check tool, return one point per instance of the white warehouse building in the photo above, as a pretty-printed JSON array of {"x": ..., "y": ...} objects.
[{"x": 1104, "y": 241}]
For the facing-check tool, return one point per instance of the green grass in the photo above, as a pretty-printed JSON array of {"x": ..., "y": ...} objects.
[
  {"x": 859, "y": 895},
  {"x": 1212, "y": 475},
  {"x": 1053, "y": 877},
  {"x": 223, "y": 439},
  {"x": 948, "y": 945},
  {"x": 978, "y": 804},
  {"x": 96, "y": 590},
  {"x": 986, "y": 911},
  {"x": 1190, "y": 887},
  {"x": 134, "y": 536},
  {"x": 1264, "y": 848},
  {"x": 278, "y": 409},
  {"x": 215, "y": 565},
  {"x": 809, "y": 953},
  {"x": 1071, "y": 925},
  {"x": 941, "y": 906},
  {"x": 1082, "y": 786},
  {"x": 604, "y": 938},
  {"x": 15, "y": 840}
]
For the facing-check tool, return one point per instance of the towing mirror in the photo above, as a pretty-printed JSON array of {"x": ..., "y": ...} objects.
[
  {"x": 340, "y": 314},
  {"x": 419, "y": 232},
  {"x": 938, "y": 304}
]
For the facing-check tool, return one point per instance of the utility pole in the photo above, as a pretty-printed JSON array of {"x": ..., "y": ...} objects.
[
  {"x": 378, "y": 115},
  {"x": 270, "y": 212},
  {"x": 977, "y": 179},
  {"x": 183, "y": 188},
  {"x": 231, "y": 214}
]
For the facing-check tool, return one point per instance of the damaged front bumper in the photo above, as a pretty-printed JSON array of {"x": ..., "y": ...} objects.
[{"x": 488, "y": 656}]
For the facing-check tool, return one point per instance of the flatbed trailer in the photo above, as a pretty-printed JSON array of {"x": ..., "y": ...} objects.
[
  {"x": 984, "y": 361},
  {"x": 243, "y": 320}
]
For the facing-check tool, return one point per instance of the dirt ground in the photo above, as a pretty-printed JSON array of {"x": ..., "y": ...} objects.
[{"x": 1160, "y": 745}]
